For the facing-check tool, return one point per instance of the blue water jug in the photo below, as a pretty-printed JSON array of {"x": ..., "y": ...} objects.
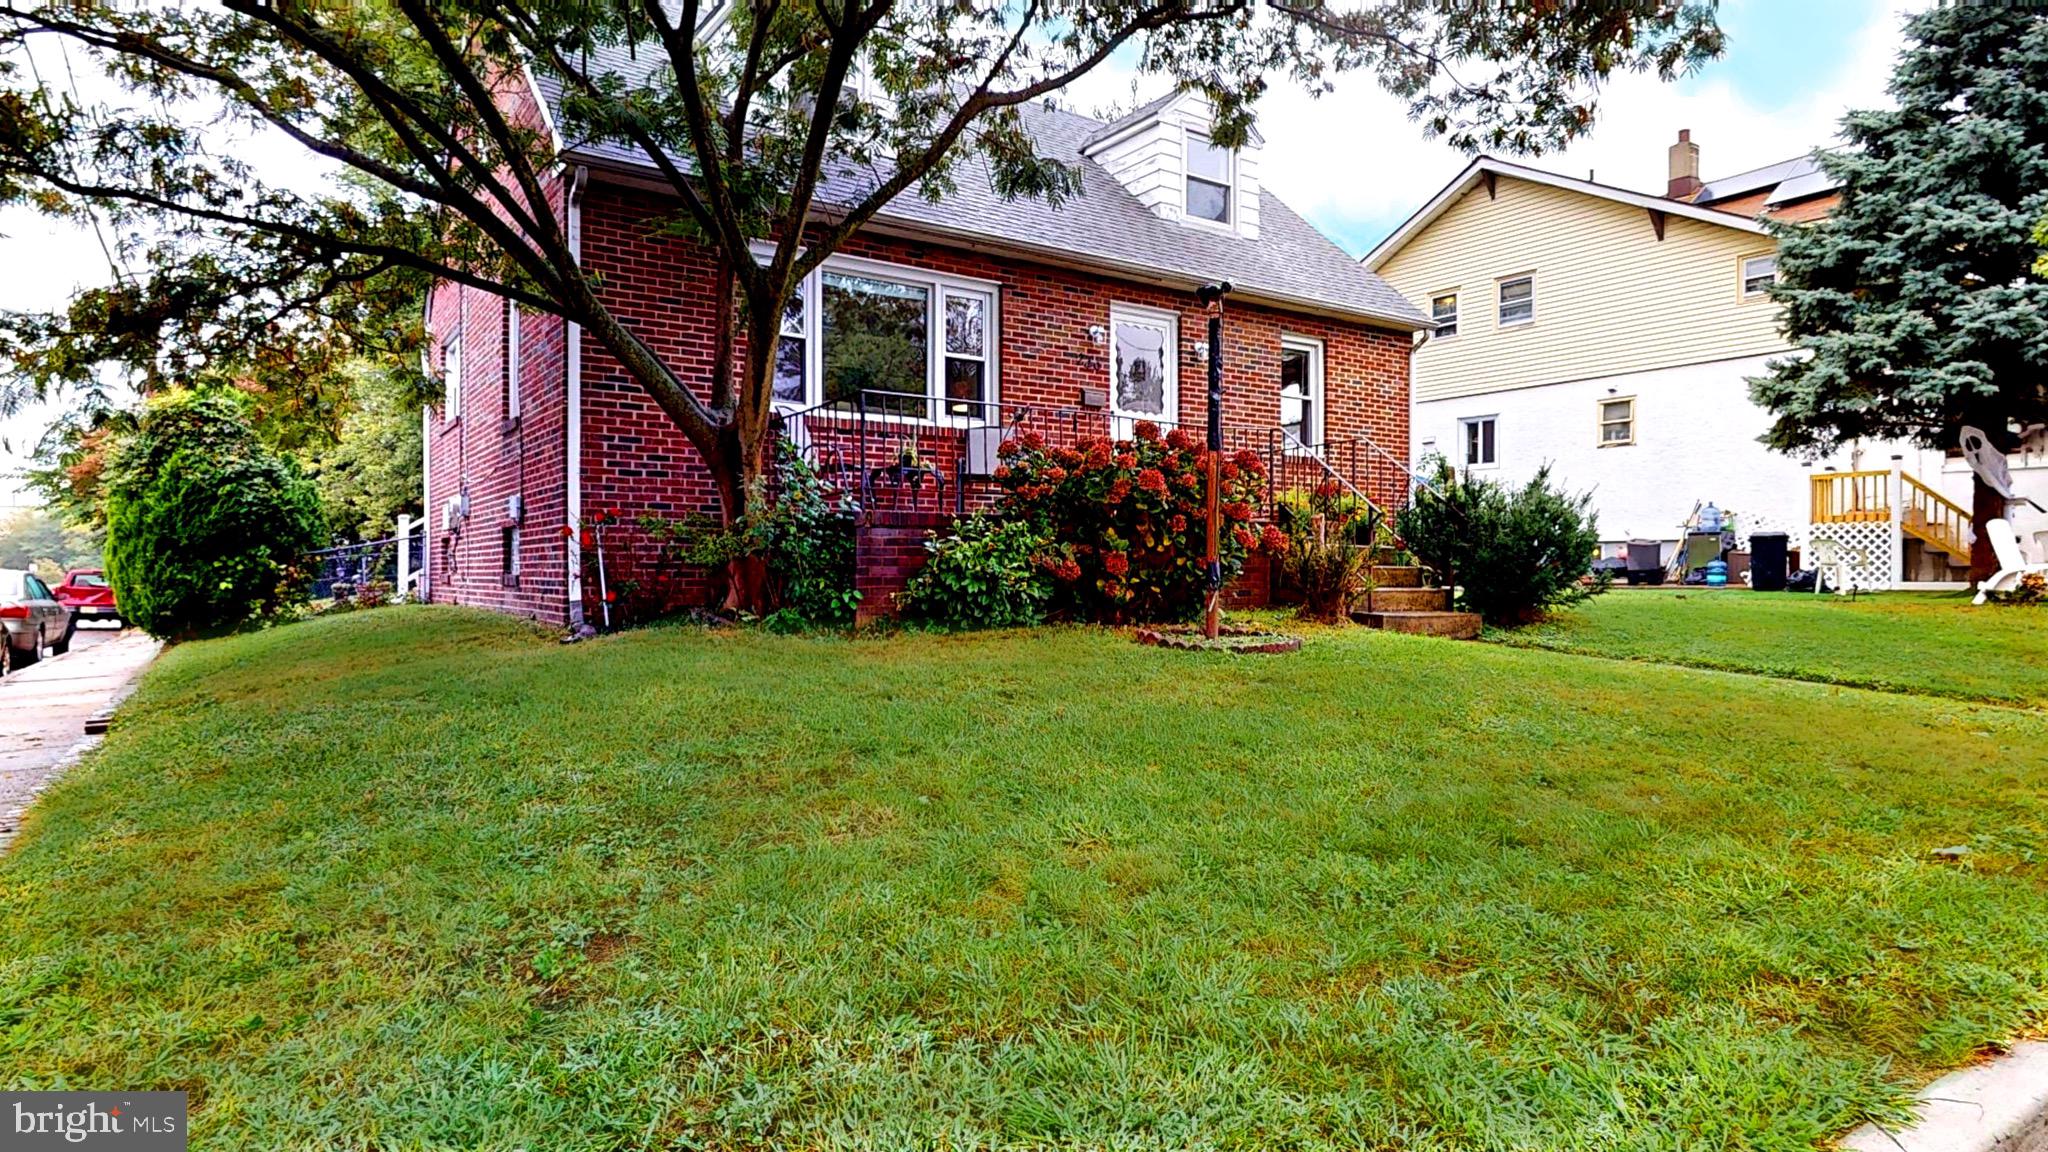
[{"x": 1717, "y": 573}]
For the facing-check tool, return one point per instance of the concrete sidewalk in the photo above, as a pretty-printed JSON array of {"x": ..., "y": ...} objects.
[{"x": 43, "y": 709}]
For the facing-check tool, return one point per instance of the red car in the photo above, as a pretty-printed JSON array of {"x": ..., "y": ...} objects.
[{"x": 86, "y": 592}]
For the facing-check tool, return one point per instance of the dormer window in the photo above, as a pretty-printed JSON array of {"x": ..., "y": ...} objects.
[
  {"x": 1208, "y": 194},
  {"x": 1163, "y": 156}
]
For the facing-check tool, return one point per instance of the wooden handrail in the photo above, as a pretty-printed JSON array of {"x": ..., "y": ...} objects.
[
  {"x": 1934, "y": 518},
  {"x": 1851, "y": 497}
]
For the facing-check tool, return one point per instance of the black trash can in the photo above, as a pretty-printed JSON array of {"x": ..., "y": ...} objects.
[
  {"x": 1767, "y": 561},
  {"x": 1645, "y": 562}
]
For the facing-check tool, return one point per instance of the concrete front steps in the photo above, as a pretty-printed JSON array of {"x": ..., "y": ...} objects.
[{"x": 1399, "y": 603}]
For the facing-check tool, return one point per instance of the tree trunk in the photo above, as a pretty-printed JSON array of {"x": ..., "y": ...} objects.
[
  {"x": 1986, "y": 505},
  {"x": 744, "y": 471}
]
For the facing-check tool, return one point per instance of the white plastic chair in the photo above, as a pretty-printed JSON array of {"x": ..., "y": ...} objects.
[
  {"x": 2012, "y": 563},
  {"x": 1831, "y": 560}
]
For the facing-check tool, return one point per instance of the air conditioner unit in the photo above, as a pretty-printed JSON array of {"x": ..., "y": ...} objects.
[{"x": 515, "y": 508}]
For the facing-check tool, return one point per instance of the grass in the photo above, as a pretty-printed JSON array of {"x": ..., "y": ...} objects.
[
  {"x": 1929, "y": 643},
  {"x": 415, "y": 878}
]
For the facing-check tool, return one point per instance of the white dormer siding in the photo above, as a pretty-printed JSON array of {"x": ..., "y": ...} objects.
[{"x": 1148, "y": 155}]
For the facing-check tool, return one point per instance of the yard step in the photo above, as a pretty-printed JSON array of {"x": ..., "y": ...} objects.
[
  {"x": 1408, "y": 599},
  {"x": 1396, "y": 576},
  {"x": 1453, "y": 625}
]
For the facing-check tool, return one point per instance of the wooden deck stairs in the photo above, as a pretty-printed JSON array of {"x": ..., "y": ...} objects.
[
  {"x": 1934, "y": 531},
  {"x": 1399, "y": 602}
]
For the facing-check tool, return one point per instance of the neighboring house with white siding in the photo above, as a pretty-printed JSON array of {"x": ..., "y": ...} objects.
[{"x": 1610, "y": 334}]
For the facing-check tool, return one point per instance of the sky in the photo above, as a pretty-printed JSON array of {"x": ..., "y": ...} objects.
[{"x": 1350, "y": 161}]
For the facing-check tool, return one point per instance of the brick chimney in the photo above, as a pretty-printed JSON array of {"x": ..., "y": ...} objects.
[{"x": 1685, "y": 167}]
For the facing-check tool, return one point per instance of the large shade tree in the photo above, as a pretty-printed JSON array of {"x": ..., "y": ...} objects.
[
  {"x": 1918, "y": 301},
  {"x": 747, "y": 109}
]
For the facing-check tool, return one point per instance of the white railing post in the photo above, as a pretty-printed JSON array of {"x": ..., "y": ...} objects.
[
  {"x": 1898, "y": 533},
  {"x": 404, "y": 555}
]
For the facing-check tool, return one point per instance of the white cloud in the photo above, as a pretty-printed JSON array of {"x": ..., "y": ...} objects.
[{"x": 1355, "y": 164}]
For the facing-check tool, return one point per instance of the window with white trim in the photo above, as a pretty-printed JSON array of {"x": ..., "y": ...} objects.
[
  {"x": 966, "y": 352},
  {"x": 792, "y": 352},
  {"x": 1477, "y": 432},
  {"x": 1517, "y": 300},
  {"x": 1617, "y": 421},
  {"x": 1758, "y": 274},
  {"x": 907, "y": 342},
  {"x": 451, "y": 376},
  {"x": 1301, "y": 391},
  {"x": 1208, "y": 179},
  {"x": 1443, "y": 308},
  {"x": 509, "y": 392},
  {"x": 509, "y": 558}
]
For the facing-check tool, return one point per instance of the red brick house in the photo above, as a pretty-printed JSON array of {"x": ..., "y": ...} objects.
[{"x": 944, "y": 325}]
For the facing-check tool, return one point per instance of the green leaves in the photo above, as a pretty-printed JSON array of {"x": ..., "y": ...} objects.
[
  {"x": 206, "y": 527},
  {"x": 988, "y": 573},
  {"x": 1512, "y": 553},
  {"x": 1921, "y": 301}
]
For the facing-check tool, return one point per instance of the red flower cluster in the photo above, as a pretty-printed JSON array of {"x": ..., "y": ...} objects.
[
  {"x": 1063, "y": 568},
  {"x": 1127, "y": 516},
  {"x": 1273, "y": 540}
]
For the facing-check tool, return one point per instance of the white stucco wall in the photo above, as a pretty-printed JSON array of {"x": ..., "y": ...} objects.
[{"x": 1695, "y": 440}]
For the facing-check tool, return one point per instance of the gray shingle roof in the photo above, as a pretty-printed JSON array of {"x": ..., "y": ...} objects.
[
  {"x": 1106, "y": 227},
  {"x": 1120, "y": 123}
]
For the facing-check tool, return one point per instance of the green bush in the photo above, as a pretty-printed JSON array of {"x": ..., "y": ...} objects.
[
  {"x": 989, "y": 573},
  {"x": 803, "y": 527},
  {"x": 206, "y": 526},
  {"x": 1513, "y": 554}
]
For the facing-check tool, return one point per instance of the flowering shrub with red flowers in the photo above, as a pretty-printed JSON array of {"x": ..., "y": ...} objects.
[{"x": 1125, "y": 518}]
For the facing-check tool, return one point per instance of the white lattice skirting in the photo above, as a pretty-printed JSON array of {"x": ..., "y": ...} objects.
[{"x": 1869, "y": 549}]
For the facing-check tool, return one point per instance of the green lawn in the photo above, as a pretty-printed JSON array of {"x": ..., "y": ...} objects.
[
  {"x": 418, "y": 878},
  {"x": 1933, "y": 643}
]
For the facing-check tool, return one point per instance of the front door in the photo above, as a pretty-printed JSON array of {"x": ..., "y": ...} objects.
[{"x": 1144, "y": 379}]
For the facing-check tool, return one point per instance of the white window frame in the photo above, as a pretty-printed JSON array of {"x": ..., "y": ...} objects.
[
  {"x": 938, "y": 285},
  {"x": 1742, "y": 264},
  {"x": 1457, "y": 319},
  {"x": 1169, "y": 393},
  {"x": 1318, "y": 432},
  {"x": 1600, "y": 421},
  {"x": 509, "y": 538},
  {"x": 1465, "y": 424},
  {"x": 1229, "y": 183},
  {"x": 451, "y": 376},
  {"x": 1500, "y": 286},
  {"x": 513, "y": 359}
]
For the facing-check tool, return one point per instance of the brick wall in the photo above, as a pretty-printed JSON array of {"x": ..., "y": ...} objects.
[
  {"x": 635, "y": 459},
  {"x": 492, "y": 456}
]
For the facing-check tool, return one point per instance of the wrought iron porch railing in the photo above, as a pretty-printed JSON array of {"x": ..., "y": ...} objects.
[
  {"x": 896, "y": 449},
  {"x": 342, "y": 570}
]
